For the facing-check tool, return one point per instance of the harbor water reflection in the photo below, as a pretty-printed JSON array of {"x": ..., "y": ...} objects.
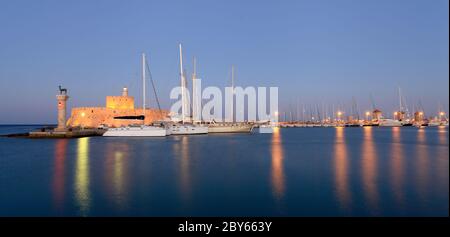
[
  {"x": 341, "y": 172},
  {"x": 277, "y": 165},
  {"x": 397, "y": 167},
  {"x": 82, "y": 178},
  {"x": 366, "y": 171},
  {"x": 59, "y": 175},
  {"x": 117, "y": 157},
  {"x": 369, "y": 169}
]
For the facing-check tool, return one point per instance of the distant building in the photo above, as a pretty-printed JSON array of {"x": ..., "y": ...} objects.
[
  {"x": 376, "y": 115},
  {"x": 418, "y": 116},
  {"x": 399, "y": 115},
  {"x": 115, "y": 106}
]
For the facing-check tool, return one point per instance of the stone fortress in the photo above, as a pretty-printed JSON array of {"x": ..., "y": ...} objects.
[{"x": 116, "y": 106}]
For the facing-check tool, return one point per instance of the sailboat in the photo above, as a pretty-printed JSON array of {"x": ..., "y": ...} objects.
[
  {"x": 186, "y": 125},
  {"x": 138, "y": 130},
  {"x": 395, "y": 122},
  {"x": 440, "y": 119},
  {"x": 229, "y": 127},
  {"x": 264, "y": 127},
  {"x": 402, "y": 114},
  {"x": 352, "y": 122},
  {"x": 385, "y": 122}
]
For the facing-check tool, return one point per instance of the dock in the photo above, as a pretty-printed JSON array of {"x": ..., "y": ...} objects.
[
  {"x": 44, "y": 133},
  {"x": 67, "y": 134}
]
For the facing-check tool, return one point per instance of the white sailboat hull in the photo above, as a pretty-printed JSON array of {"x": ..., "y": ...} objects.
[
  {"x": 143, "y": 131},
  {"x": 263, "y": 129},
  {"x": 390, "y": 123},
  {"x": 434, "y": 124},
  {"x": 187, "y": 129},
  {"x": 229, "y": 128}
]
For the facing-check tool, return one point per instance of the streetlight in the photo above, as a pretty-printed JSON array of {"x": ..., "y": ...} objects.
[
  {"x": 367, "y": 115},
  {"x": 339, "y": 113},
  {"x": 441, "y": 114}
]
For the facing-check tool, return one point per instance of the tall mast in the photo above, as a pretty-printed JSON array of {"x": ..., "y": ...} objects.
[
  {"x": 194, "y": 96},
  {"x": 232, "y": 77},
  {"x": 400, "y": 99},
  {"x": 232, "y": 92},
  {"x": 182, "y": 85},
  {"x": 143, "y": 84},
  {"x": 195, "y": 68},
  {"x": 303, "y": 112},
  {"x": 372, "y": 101}
]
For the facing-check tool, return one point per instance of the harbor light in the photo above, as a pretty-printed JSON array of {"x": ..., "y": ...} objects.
[
  {"x": 276, "y": 118},
  {"x": 420, "y": 113},
  {"x": 441, "y": 113},
  {"x": 339, "y": 113},
  {"x": 82, "y": 121}
]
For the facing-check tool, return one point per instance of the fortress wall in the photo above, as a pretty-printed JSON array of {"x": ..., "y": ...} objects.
[
  {"x": 120, "y": 102},
  {"x": 96, "y": 116}
]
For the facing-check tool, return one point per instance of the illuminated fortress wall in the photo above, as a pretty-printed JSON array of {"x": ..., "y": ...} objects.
[
  {"x": 119, "y": 102},
  {"x": 115, "y": 106},
  {"x": 96, "y": 116}
]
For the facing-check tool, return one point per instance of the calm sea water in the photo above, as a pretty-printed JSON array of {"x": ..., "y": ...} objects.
[{"x": 293, "y": 172}]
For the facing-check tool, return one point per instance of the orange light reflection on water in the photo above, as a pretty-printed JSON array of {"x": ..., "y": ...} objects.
[
  {"x": 277, "y": 176},
  {"x": 341, "y": 169},
  {"x": 181, "y": 151},
  {"x": 443, "y": 136},
  {"x": 185, "y": 172},
  {"x": 397, "y": 166},
  {"x": 369, "y": 169},
  {"x": 116, "y": 175},
  {"x": 59, "y": 173},
  {"x": 82, "y": 193},
  {"x": 422, "y": 164}
]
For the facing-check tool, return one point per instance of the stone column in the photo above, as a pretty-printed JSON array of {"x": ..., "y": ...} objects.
[{"x": 62, "y": 101}]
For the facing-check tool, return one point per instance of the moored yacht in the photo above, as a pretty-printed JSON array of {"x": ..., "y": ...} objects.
[
  {"x": 138, "y": 130},
  {"x": 229, "y": 127},
  {"x": 266, "y": 127},
  {"x": 390, "y": 123},
  {"x": 185, "y": 127},
  {"x": 406, "y": 123},
  {"x": 434, "y": 123},
  {"x": 232, "y": 126}
]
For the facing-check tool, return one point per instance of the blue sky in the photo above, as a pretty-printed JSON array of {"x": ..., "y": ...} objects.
[{"x": 314, "y": 51}]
